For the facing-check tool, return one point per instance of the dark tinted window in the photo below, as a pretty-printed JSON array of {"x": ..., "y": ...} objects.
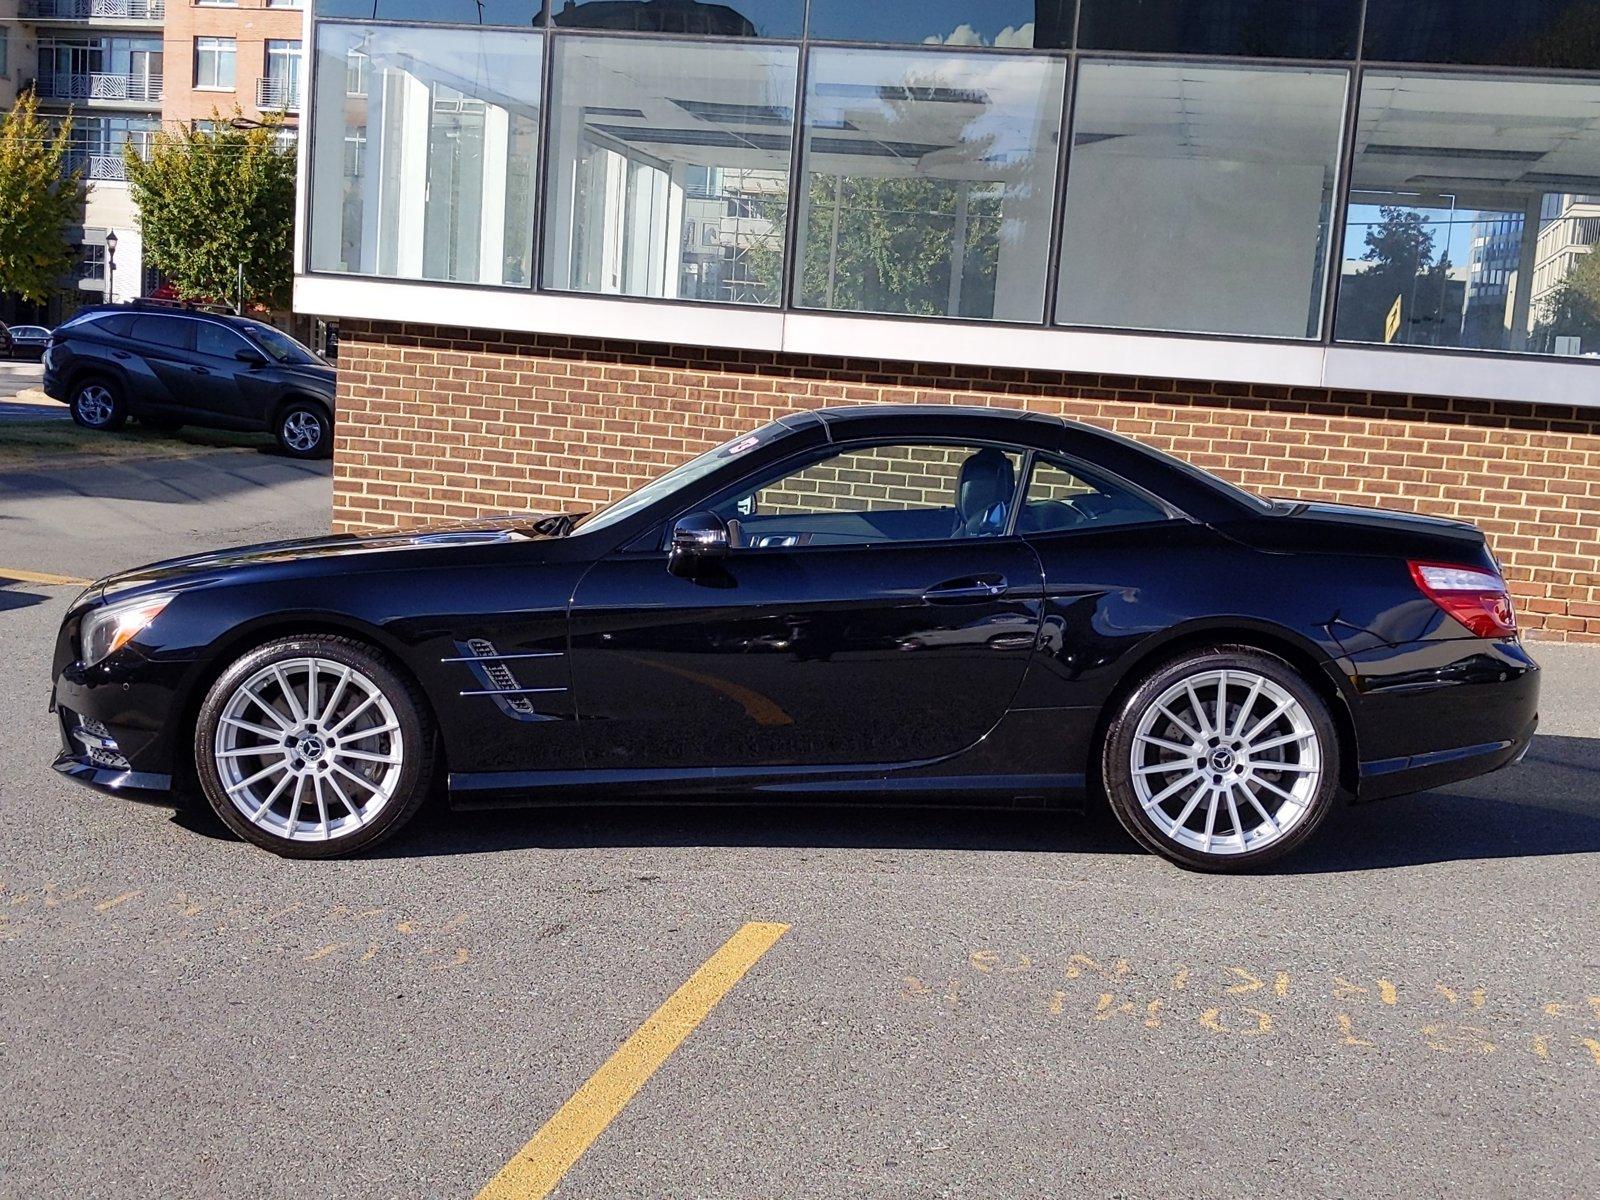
[
  {"x": 217, "y": 341},
  {"x": 1528, "y": 33},
  {"x": 120, "y": 324},
  {"x": 436, "y": 12},
  {"x": 731, "y": 18},
  {"x": 164, "y": 331},
  {"x": 1024, "y": 23},
  {"x": 1060, "y": 500},
  {"x": 1264, "y": 28}
]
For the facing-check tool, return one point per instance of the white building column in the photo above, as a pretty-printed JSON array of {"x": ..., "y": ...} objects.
[{"x": 492, "y": 204}]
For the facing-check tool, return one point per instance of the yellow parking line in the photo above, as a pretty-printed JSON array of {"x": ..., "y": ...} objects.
[
  {"x": 540, "y": 1165},
  {"x": 16, "y": 575}
]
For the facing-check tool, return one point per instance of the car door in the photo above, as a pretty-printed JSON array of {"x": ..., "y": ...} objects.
[
  {"x": 230, "y": 390},
  {"x": 876, "y": 608},
  {"x": 161, "y": 359}
]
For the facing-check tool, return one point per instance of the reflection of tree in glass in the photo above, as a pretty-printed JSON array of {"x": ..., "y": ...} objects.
[
  {"x": 917, "y": 245},
  {"x": 1400, "y": 250},
  {"x": 1573, "y": 309}
]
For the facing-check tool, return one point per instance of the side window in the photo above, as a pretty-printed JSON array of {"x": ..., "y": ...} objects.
[
  {"x": 881, "y": 493},
  {"x": 164, "y": 331},
  {"x": 217, "y": 341},
  {"x": 1059, "y": 500}
]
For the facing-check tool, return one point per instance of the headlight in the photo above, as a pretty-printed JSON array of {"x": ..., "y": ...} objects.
[{"x": 107, "y": 630}]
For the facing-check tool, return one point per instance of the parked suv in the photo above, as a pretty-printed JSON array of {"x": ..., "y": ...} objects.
[{"x": 169, "y": 367}]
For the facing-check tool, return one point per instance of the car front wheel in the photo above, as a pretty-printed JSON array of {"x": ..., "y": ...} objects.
[
  {"x": 98, "y": 404},
  {"x": 1222, "y": 760},
  {"x": 314, "y": 747},
  {"x": 305, "y": 430}
]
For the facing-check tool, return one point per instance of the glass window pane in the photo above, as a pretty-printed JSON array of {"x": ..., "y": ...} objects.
[
  {"x": 929, "y": 181},
  {"x": 1199, "y": 197},
  {"x": 423, "y": 153},
  {"x": 727, "y": 18},
  {"x": 669, "y": 170},
  {"x": 441, "y": 12},
  {"x": 1528, "y": 33},
  {"x": 217, "y": 341},
  {"x": 1060, "y": 501},
  {"x": 1474, "y": 211},
  {"x": 1261, "y": 28},
  {"x": 1046, "y": 24},
  {"x": 895, "y": 493},
  {"x": 164, "y": 331}
]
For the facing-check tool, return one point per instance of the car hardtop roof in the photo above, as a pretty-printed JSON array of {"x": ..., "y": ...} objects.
[{"x": 864, "y": 412}]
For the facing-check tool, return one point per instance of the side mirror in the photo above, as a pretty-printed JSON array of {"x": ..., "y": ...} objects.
[
  {"x": 252, "y": 358},
  {"x": 697, "y": 539}
]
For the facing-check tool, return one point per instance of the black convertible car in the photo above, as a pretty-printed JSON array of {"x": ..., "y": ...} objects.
[{"x": 873, "y": 605}]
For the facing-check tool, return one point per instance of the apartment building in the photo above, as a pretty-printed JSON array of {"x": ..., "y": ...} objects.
[{"x": 227, "y": 53}]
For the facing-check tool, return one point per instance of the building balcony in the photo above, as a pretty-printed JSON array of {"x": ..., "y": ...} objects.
[
  {"x": 278, "y": 95},
  {"x": 122, "y": 89},
  {"x": 91, "y": 12},
  {"x": 106, "y": 168}
]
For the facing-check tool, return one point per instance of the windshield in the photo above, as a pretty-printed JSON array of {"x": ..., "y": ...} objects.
[
  {"x": 689, "y": 472},
  {"x": 280, "y": 345}
]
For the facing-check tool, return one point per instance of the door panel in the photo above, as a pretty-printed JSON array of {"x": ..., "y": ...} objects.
[{"x": 802, "y": 656}]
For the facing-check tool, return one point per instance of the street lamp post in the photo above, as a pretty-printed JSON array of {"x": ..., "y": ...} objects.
[{"x": 111, "y": 267}]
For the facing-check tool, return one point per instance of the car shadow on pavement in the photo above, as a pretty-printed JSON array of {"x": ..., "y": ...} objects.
[
  {"x": 1548, "y": 805},
  {"x": 10, "y": 599}
]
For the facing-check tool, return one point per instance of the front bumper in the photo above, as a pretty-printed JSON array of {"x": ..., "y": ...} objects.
[{"x": 1433, "y": 713}]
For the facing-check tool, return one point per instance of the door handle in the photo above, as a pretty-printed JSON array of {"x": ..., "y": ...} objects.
[
  {"x": 982, "y": 587},
  {"x": 120, "y": 354},
  {"x": 200, "y": 370}
]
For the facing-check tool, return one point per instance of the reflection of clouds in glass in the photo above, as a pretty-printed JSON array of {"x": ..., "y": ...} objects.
[{"x": 1011, "y": 37}]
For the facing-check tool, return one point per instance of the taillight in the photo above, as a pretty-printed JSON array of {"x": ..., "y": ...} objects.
[{"x": 1475, "y": 597}]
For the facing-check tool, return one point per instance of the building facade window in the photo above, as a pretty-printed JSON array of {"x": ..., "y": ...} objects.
[
  {"x": 929, "y": 183},
  {"x": 1527, "y": 33},
  {"x": 516, "y": 14},
  {"x": 1018, "y": 24},
  {"x": 655, "y": 145},
  {"x": 214, "y": 63},
  {"x": 727, "y": 18},
  {"x": 1247, "y": 28},
  {"x": 279, "y": 87},
  {"x": 1199, "y": 198},
  {"x": 445, "y": 132},
  {"x": 1471, "y": 215}
]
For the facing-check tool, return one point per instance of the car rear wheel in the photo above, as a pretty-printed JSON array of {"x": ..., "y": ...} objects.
[
  {"x": 305, "y": 430},
  {"x": 97, "y": 404},
  {"x": 314, "y": 747},
  {"x": 1222, "y": 760}
]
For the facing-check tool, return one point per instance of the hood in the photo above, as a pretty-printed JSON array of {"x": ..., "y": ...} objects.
[
  {"x": 198, "y": 568},
  {"x": 322, "y": 376}
]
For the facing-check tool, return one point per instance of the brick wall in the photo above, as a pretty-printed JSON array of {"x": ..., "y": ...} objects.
[{"x": 438, "y": 424}]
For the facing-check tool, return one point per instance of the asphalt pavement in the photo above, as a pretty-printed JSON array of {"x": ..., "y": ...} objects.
[
  {"x": 23, "y": 376},
  {"x": 963, "y": 1004}
]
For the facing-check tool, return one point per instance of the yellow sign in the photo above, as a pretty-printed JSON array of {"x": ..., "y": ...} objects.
[{"x": 1391, "y": 323}]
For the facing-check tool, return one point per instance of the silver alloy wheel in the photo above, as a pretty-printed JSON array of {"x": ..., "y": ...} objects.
[
  {"x": 302, "y": 430},
  {"x": 309, "y": 749},
  {"x": 1226, "y": 762},
  {"x": 94, "y": 404}
]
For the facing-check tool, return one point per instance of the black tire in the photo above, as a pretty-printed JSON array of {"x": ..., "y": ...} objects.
[
  {"x": 416, "y": 742},
  {"x": 1316, "y": 749},
  {"x": 97, "y": 403},
  {"x": 293, "y": 423}
]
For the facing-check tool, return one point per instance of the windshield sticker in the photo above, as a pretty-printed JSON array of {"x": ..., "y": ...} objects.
[{"x": 749, "y": 443}]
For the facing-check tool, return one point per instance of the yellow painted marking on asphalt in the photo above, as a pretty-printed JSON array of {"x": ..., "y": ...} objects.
[
  {"x": 106, "y": 905},
  {"x": 18, "y": 575},
  {"x": 540, "y": 1165},
  {"x": 1387, "y": 992},
  {"x": 323, "y": 952}
]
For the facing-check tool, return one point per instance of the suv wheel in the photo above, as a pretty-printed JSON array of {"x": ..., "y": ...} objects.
[
  {"x": 97, "y": 404},
  {"x": 305, "y": 430},
  {"x": 1222, "y": 760}
]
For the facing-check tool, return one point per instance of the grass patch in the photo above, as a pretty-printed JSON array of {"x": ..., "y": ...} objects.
[{"x": 60, "y": 443}]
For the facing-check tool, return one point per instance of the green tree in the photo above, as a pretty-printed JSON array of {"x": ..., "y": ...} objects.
[
  {"x": 38, "y": 200},
  {"x": 1573, "y": 309},
  {"x": 1400, "y": 249},
  {"x": 213, "y": 200}
]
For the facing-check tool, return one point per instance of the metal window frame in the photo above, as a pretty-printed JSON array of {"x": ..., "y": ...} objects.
[{"x": 1355, "y": 70}]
